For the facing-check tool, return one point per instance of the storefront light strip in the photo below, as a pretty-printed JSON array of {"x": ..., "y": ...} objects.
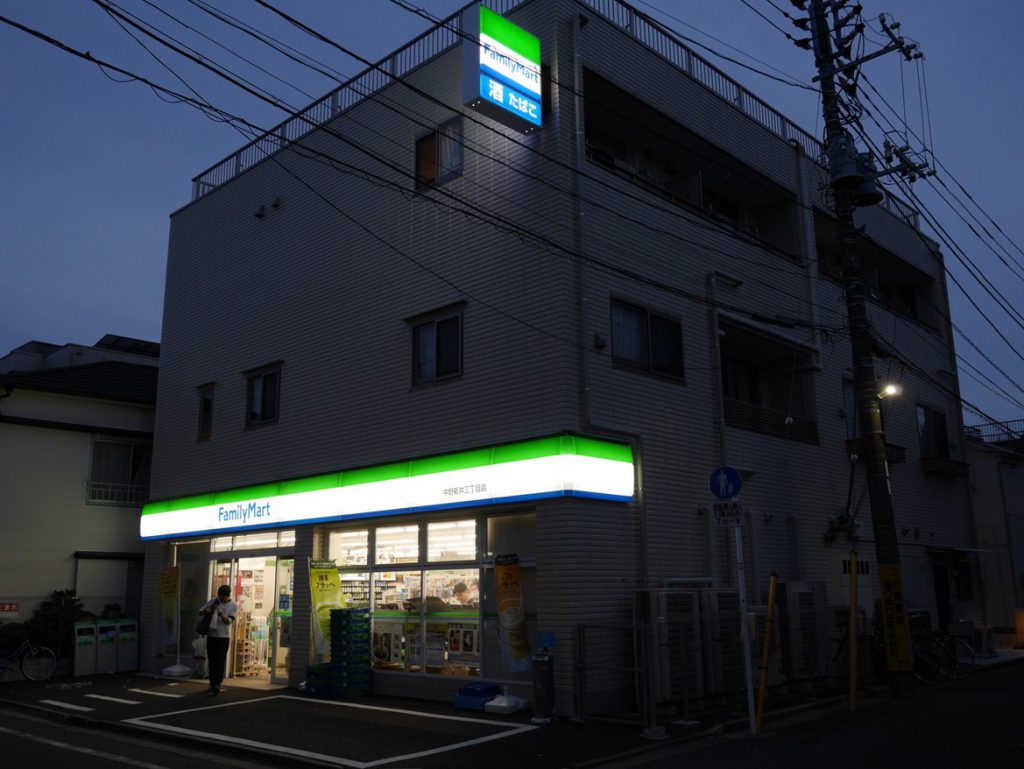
[{"x": 547, "y": 467}]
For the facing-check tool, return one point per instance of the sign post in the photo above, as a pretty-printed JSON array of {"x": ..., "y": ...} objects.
[{"x": 725, "y": 484}]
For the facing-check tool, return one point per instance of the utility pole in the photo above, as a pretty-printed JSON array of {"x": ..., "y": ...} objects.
[{"x": 852, "y": 177}]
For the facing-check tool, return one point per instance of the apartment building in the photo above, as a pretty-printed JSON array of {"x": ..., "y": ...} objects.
[{"x": 494, "y": 322}]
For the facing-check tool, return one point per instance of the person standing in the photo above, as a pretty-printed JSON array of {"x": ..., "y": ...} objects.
[{"x": 223, "y": 612}]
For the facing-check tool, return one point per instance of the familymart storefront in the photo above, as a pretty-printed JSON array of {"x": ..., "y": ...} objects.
[{"x": 440, "y": 549}]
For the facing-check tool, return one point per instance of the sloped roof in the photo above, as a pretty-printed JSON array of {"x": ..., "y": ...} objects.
[{"x": 109, "y": 380}]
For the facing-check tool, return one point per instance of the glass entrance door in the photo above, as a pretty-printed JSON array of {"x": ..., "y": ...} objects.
[{"x": 281, "y": 620}]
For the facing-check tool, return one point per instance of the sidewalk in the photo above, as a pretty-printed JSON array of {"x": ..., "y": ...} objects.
[{"x": 286, "y": 725}]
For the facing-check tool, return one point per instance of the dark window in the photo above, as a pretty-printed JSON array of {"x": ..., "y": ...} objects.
[
  {"x": 645, "y": 340},
  {"x": 119, "y": 472},
  {"x": 931, "y": 433},
  {"x": 262, "y": 395},
  {"x": 205, "y": 412},
  {"x": 439, "y": 154},
  {"x": 437, "y": 348}
]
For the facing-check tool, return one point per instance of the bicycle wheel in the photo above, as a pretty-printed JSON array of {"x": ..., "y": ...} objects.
[
  {"x": 963, "y": 657},
  {"x": 38, "y": 663},
  {"x": 933, "y": 663}
]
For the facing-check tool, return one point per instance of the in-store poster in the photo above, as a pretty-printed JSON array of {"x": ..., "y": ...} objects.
[
  {"x": 169, "y": 605},
  {"x": 387, "y": 643},
  {"x": 325, "y": 587},
  {"x": 515, "y": 649}
]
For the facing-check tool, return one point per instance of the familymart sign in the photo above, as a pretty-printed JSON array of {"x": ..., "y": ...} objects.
[
  {"x": 501, "y": 72},
  {"x": 557, "y": 466}
]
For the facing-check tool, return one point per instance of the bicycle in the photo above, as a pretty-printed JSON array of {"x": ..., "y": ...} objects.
[
  {"x": 37, "y": 662},
  {"x": 933, "y": 661},
  {"x": 961, "y": 654}
]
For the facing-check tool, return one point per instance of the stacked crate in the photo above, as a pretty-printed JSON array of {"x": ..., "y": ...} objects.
[{"x": 351, "y": 652}]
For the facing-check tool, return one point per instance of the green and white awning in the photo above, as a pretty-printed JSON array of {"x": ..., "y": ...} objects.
[{"x": 557, "y": 466}]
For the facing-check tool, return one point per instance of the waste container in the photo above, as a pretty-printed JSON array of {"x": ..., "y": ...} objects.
[
  {"x": 106, "y": 646},
  {"x": 543, "y": 688},
  {"x": 85, "y": 648},
  {"x": 127, "y": 645}
]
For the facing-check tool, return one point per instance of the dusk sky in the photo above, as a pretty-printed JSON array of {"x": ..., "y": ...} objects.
[{"x": 93, "y": 168}]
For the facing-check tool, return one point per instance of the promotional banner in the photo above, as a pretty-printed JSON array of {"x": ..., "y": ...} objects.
[
  {"x": 515, "y": 649},
  {"x": 169, "y": 606},
  {"x": 325, "y": 587}
]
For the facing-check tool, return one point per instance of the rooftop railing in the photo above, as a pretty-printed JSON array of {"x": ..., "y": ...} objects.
[{"x": 447, "y": 33}]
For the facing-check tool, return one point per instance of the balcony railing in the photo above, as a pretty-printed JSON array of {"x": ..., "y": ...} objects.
[
  {"x": 446, "y": 34},
  {"x": 759, "y": 419},
  {"x": 117, "y": 494}
]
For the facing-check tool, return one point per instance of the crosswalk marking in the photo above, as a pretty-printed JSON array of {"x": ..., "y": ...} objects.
[
  {"x": 152, "y": 693},
  {"x": 114, "y": 699},
  {"x": 66, "y": 705}
]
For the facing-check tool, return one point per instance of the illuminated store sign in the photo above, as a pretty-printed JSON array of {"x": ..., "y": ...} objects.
[
  {"x": 559, "y": 466},
  {"x": 501, "y": 74}
]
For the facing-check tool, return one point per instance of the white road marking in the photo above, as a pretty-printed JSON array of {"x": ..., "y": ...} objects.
[
  {"x": 151, "y": 693},
  {"x": 114, "y": 699},
  {"x": 79, "y": 749},
  {"x": 67, "y": 705},
  {"x": 508, "y": 731}
]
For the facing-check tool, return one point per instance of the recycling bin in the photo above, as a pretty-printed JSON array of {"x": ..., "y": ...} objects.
[
  {"x": 106, "y": 646},
  {"x": 543, "y": 688},
  {"x": 127, "y": 645},
  {"x": 85, "y": 648}
]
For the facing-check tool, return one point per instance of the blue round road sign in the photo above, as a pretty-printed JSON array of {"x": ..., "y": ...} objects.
[{"x": 725, "y": 482}]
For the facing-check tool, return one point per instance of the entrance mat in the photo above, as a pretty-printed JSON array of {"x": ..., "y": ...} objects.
[{"x": 342, "y": 733}]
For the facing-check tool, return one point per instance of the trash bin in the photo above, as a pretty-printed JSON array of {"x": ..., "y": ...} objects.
[
  {"x": 85, "y": 648},
  {"x": 106, "y": 646},
  {"x": 543, "y": 688},
  {"x": 127, "y": 645}
]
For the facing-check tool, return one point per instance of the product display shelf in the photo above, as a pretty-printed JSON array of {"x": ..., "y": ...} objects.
[{"x": 250, "y": 645}]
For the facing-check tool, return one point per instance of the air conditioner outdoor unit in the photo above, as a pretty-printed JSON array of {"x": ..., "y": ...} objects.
[
  {"x": 805, "y": 629},
  {"x": 669, "y": 625}
]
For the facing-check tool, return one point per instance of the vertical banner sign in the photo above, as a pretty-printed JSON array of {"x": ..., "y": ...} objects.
[
  {"x": 169, "y": 605},
  {"x": 511, "y": 614},
  {"x": 501, "y": 69},
  {"x": 325, "y": 587},
  {"x": 894, "y": 617}
]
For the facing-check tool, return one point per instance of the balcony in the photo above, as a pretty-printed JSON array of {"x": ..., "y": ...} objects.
[
  {"x": 758, "y": 419},
  {"x": 951, "y": 468}
]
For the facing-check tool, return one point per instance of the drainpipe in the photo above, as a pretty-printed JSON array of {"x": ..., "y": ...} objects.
[{"x": 583, "y": 353}]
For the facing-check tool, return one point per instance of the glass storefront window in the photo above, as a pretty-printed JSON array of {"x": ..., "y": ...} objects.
[
  {"x": 451, "y": 541},
  {"x": 219, "y": 544},
  {"x": 511, "y": 534},
  {"x": 356, "y": 589},
  {"x": 260, "y": 541},
  {"x": 398, "y": 544},
  {"x": 452, "y": 590},
  {"x": 397, "y": 625},
  {"x": 349, "y": 548}
]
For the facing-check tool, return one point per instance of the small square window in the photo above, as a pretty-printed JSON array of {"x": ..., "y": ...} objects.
[
  {"x": 437, "y": 347},
  {"x": 439, "y": 154},
  {"x": 931, "y": 432},
  {"x": 205, "y": 431},
  {"x": 645, "y": 340},
  {"x": 262, "y": 395}
]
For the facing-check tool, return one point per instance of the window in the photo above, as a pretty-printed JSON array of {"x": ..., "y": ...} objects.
[
  {"x": 931, "y": 433},
  {"x": 262, "y": 395},
  {"x": 119, "y": 473},
  {"x": 205, "y": 413},
  {"x": 439, "y": 154},
  {"x": 437, "y": 347},
  {"x": 646, "y": 341}
]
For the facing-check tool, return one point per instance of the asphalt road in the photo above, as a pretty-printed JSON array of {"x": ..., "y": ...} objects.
[{"x": 975, "y": 722}]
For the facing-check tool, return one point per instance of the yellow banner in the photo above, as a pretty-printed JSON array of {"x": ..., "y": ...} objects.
[
  {"x": 894, "y": 618},
  {"x": 511, "y": 614},
  {"x": 325, "y": 587}
]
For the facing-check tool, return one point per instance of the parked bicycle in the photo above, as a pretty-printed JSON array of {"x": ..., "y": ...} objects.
[{"x": 37, "y": 662}]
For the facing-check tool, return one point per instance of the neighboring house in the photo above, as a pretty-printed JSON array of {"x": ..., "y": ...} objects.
[
  {"x": 426, "y": 340},
  {"x": 76, "y": 431},
  {"x": 996, "y": 454}
]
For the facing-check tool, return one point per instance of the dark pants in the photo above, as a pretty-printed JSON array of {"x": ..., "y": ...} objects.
[{"x": 217, "y": 654}]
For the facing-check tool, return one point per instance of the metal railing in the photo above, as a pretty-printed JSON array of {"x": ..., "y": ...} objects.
[
  {"x": 997, "y": 432},
  {"x": 119, "y": 494},
  {"x": 446, "y": 34},
  {"x": 750, "y": 416}
]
